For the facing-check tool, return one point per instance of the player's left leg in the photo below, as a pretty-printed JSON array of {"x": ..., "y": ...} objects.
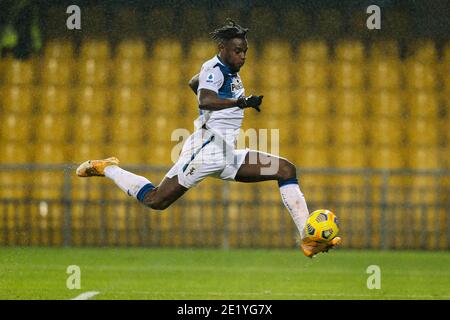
[
  {"x": 156, "y": 197},
  {"x": 259, "y": 166}
]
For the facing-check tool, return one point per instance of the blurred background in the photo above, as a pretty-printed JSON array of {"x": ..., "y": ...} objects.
[{"x": 364, "y": 114}]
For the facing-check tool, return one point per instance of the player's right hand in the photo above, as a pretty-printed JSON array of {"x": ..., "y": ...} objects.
[{"x": 250, "y": 102}]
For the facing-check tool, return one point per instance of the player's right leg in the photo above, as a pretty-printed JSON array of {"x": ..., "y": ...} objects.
[
  {"x": 158, "y": 198},
  {"x": 254, "y": 169}
]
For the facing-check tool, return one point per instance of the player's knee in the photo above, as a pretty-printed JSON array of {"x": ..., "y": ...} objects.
[{"x": 287, "y": 170}]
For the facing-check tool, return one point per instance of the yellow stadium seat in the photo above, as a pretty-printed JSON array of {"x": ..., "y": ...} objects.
[
  {"x": 348, "y": 75},
  {"x": 47, "y": 184},
  {"x": 93, "y": 72},
  {"x": 349, "y": 186},
  {"x": 311, "y": 156},
  {"x": 312, "y": 102},
  {"x": 316, "y": 187},
  {"x": 350, "y": 103},
  {"x": 15, "y": 128},
  {"x": 18, "y": 71},
  {"x": 17, "y": 99},
  {"x": 58, "y": 49},
  {"x": 95, "y": 49},
  {"x": 277, "y": 102},
  {"x": 386, "y": 132},
  {"x": 390, "y": 157},
  {"x": 423, "y": 132},
  {"x": 49, "y": 152},
  {"x": 419, "y": 75},
  {"x": 51, "y": 128},
  {"x": 14, "y": 153},
  {"x": 165, "y": 101},
  {"x": 167, "y": 49},
  {"x": 54, "y": 99},
  {"x": 90, "y": 128},
  {"x": 14, "y": 184},
  {"x": 131, "y": 153},
  {"x": 312, "y": 130},
  {"x": 128, "y": 72},
  {"x": 424, "y": 50},
  {"x": 276, "y": 50},
  {"x": 423, "y": 104},
  {"x": 128, "y": 100},
  {"x": 56, "y": 71},
  {"x": 349, "y": 157},
  {"x": 91, "y": 100},
  {"x": 348, "y": 131},
  {"x": 423, "y": 190},
  {"x": 131, "y": 49},
  {"x": 423, "y": 158},
  {"x": 166, "y": 73},
  {"x": 248, "y": 77},
  {"x": 191, "y": 69},
  {"x": 162, "y": 126},
  {"x": 386, "y": 103},
  {"x": 384, "y": 74},
  {"x": 350, "y": 50},
  {"x": 275, "y": 75},
  {"x": 202, "y": 50},
  {"x": 278, "y": 128},
  {"x": 158, "y": 154},
  {"x": 127, "y": 128},
  {"x": 445, "y": 71},
  {"x": 312, "y": 74},
  {"x": 88, "y": 150},
  {"x": 385, "y": 49},
  {"x": 313, "y": 50}
]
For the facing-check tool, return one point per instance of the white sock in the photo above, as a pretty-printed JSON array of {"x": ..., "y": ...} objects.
[
  {"x": 129, "y": 182},
  {"x": 295, "y": 202}
]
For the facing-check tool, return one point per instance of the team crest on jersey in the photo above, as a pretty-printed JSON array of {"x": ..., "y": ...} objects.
[{"x": 236, "y": 85}]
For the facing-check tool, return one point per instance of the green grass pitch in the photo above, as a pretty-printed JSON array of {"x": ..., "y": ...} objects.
[{"x": 138, "y": 273}]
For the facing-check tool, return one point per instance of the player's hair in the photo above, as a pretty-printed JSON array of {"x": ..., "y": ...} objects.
[{"x": 229, "y": 31}]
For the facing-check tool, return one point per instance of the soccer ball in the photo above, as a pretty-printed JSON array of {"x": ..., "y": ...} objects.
[{"x": 322, "y": 225}]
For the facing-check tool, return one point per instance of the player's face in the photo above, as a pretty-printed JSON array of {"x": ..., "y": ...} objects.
[{"x": 233, "y": 52}]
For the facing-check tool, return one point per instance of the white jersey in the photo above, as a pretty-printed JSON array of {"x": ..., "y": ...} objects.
[{"x": 217, "y": 77}]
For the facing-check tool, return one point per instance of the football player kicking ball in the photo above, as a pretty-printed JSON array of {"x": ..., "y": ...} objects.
[{"x": 210, "y": 150}]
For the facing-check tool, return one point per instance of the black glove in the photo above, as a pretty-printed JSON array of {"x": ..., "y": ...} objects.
[{"x": 250, "y": 102}]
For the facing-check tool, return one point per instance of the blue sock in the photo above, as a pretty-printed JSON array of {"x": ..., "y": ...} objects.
[{"x": 143, "y": 191}]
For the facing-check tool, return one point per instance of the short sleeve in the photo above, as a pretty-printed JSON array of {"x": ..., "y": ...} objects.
[{"x": 211, "y": 79}]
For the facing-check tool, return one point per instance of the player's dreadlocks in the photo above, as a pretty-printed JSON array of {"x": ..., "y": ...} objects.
[{"x": 229, "y": 31}]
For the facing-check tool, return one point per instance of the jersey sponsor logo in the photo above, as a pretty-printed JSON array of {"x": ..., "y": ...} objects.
[{"x": 236, "y": 85}]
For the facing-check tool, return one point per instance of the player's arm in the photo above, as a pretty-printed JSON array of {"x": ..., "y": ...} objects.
[
  {"x": 193, "y": 83},
  {"x": 209, "y": 100},
  {"x": 209, "y": 83}
]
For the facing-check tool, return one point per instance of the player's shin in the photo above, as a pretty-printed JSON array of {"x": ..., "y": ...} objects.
[
  {"x": 132, "y": 184},
  {"x": 295, "y": 202}
]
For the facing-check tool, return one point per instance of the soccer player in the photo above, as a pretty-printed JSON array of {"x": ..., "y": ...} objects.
[{"x": 210, "y": 150}]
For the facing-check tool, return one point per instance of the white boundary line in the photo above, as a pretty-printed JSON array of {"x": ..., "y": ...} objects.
[
  {"x": 86, "y": 295},
  {"x": 268, "y": 294}
]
